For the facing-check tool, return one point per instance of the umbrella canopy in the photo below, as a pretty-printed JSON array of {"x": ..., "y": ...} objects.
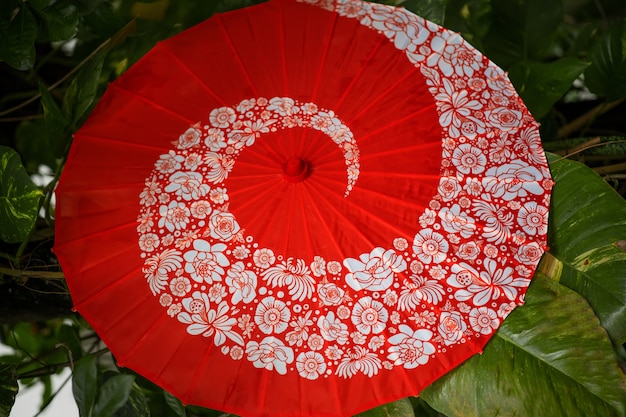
[{"x": 303, "y": 208}]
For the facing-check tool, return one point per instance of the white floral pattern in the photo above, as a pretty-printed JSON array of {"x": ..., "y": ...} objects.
[{"x": 401, "y": 303}]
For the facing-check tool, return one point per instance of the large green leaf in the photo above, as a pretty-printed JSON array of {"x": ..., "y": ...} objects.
[
  {"x": 542, "y": 84},
  {"x": 522, "y": 30},
  {"x": 60, "y": 20},
  {"x": 8, "y": 388},
  {"x": 550, "y": 357},
  {"x": 433, "y": 10},
  {"x": 400, "y": 408},
  {"x": 587, "y": 228},
  {"x": 85, "y": 384},
  {"x": 607, "y": 74},
  {"x": 113, "y": 394},
  {"x": 17, "y": 43},
  {"x": 19, "y": 198}
]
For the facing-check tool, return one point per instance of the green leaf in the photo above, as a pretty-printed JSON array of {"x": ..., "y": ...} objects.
[
  {"x": 85, "y": 384},
  {"x": 57, "y": 125},
  {"x": 400, "y": 408},
  {"x": 82, "y": 91},
  {"x": 18, "y": 41},
  {"x": 607, "y": 74},
  {"x": 31, "y": 141},
  {"x": 8, "y": 388},
  {"x": 136, "y": 406},
  {"x": 522, "y": 30},
  {"x": 550, "y": 357},
  {"x": 433, "y": 10},
  {"x": 175, "y": 404},
  {"x": 113, "y": 395},
  {"x": 60, "y": 20},
  {"x": 587, "y": 228},
  {"x": 19, "y": 198},
  {"x": 542, "y": 84}
]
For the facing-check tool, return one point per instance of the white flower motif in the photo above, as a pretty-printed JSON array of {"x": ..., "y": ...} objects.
[
  {"x": 529, "y": 254},
  {"x": 330, "y": 294},
  {"x": 263, "y": 258},
  {"x": 504, "y": 118},
  {"x": 251, "y": 131},
  {"x": 374, "y": 271},
  {"x": 333, "y": 267},
  {"x": 468, "y": 251},
  {"x": 318, "y": 266},
  {"x": 359, "y": 360},
  {"x": 451, "y": 327},
  {"x": 157, "y": 267},
  {"x": 148, "y": 242},
  {"x": 180, "y": 286},
  {"x": 284, "y": 106},
  {"x": 188, "y": 185},
  {"x": 410, "y": 348},
  {"x": 333, "y": 329},
  {"x": 430, "y": 246},
  {"x": 467, "y": 158},
  {"x": 513, "y": 180},
  {"x": 220, "y": 165},
  {"x": 369, "y": 316},
  {"x": 218, "y": 195},
  {"x": 533, "y": 218},
  {"x": 241, "y": 283},
  {"x": 449, "y": 188},
  {"x": 297, "y": 278},
  {"x": 271, "y": 354},
  {"x": 455, "y": 221},
  {"x": 222, "y": 117},
  {"x": 169, "y": 162},
  {"x": 189, "y": 139},
  {"x": 272, "y": 316},
  {"x": 315, "y": 342},
  {"x": 310, "y": 365},
  {"x": 207, "y": 322},
  {"x": 455, "y": 107},
  {"x": 485, "y": 286},
  {"x": 215, "y": 140},
  {"x": 205, "y": 262},
  {"x": 483, "y": 320},
  {"x": 529, "y": 145},
  {"x": 174, "y": 216},
  {"x": 223, "y": 226},
  {"x": 473, "y": 186},
  {"x": 420, "y": 289},
  {"x": 200, "y": 209}
]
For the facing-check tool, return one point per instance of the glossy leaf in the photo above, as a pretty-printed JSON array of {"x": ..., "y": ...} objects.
[
  {"x": 19, "y": 198},
  {"x": 550, "y": 357},
  {"x": 82, "y": 91},
  {"x": 60, "y": 20},
  {"x": 136, "y": 406},
  {"x": 18, "y": 41},
  {"x": 8, "y": 388},
  {"x": 85, "y": 384},
  {"x": 174, "y": 404},
  {"x": 112, "y": 395},
  {"x": 400, "y": 408},
  {"x": 587, "y": 224},
  {"x": 541, "y": 84},
  {"x": 522, "y": 30},
  {"x": 607, "y": 74},
  {"x": 433, "y": 10},
  {"x": 57, "y": 125}
]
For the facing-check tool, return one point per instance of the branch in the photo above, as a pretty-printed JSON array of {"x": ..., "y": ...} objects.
[
  {"x": 587, "y": 118},
  {"x": 21, "y": 273}
]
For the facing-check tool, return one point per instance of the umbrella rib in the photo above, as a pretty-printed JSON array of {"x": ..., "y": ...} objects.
[
  {"x": 403, "y": 150},
  {"x": 394, "y": 123},
  {"x": 324, "y": 224},
  {"x": 151, "y": 103},
  {"x": 103, "y": 290},
  {"x": 283, "y": 53},
  {"x": 193, "y": 75},
  {"x": 364, "y": 66},
  {"x": 133, "y": 349},
  {"x": 108, "y": 230},
  {"x": 125, "y": 142},
  {"x": 229, "y": 42},
  {"x": 395, "y": 85},
  {"x": 326, "y": 48}
]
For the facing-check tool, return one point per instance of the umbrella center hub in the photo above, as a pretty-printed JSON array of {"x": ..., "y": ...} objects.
[{"x": 296, "y": 169}]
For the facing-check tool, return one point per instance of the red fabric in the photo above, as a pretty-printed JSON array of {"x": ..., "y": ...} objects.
[{"x": 413, "y": 233}]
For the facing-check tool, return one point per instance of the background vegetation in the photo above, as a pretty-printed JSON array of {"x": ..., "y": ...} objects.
[{"x": 561, "y": 354}]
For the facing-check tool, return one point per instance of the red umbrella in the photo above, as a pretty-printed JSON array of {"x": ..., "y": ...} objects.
[{"x": 303, "y": 208}]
